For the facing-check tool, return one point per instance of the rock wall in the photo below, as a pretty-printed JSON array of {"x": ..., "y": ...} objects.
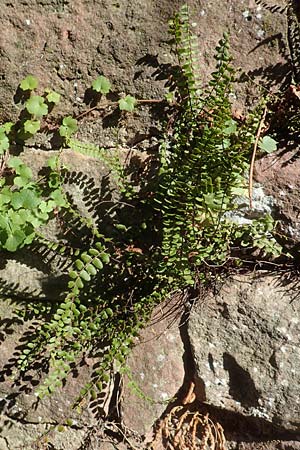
[
  {"x": 241, "y": 346},
  {"x": 245, "y": 342}
]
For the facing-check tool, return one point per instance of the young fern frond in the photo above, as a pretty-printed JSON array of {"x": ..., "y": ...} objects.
[
  {"x": 187, "y": 50},
  {"x": 88, "y": 149},
  {"x": 108, "y": 157}
]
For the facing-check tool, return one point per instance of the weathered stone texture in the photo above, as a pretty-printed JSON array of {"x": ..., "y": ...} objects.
[
  {"x": 245, "y": 342},
  {"x": 279, "y": 175},
  {"x": 156, "y": 367}
]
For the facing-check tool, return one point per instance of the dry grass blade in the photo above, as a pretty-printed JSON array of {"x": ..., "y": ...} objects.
[{"x": 259, "y": 131}]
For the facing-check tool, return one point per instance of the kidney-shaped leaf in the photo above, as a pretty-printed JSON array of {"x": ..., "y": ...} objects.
[
  {"x": 29, "y": 83},
  {"x": 36, "y": 106},
  {"x": 267, "y": 144},
  {"x": 127, "y": 103},
  {"x": 68, "y": 127},
  {"x": 102, "y": 85}
]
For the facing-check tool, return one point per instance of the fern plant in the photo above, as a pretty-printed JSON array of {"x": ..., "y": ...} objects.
[
  {"x": 203, "y": 165},
  {"x": 165, "y": 237}
]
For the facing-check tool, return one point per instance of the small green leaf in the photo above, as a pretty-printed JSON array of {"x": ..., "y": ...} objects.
[
  {"x": 127, "y": 103},
  {"x": 24, "y": 172},
  {"x": 36, "y": 106},
  {"x": 109, "y": 312},
  {"x": 231, "y": 127},
  {"x": 26, "y": 351},
  {"x": 99, "y": 386},
  {"x": 68, "y": 127},
  {"x": 26, "y": 198},
  {"x": 52, "y": 162},
  {"x": 14, "y": 241},
  {"x": 170, "y": 97},
  {"x": 6, "y": 127},
  {"x": 29, "y": 83},
  {"x": 267, "y": 144},
  {"x": 97, "y": 263},
  {"x": 86, "y": 258},
  {"x": 58, "y": 197},
  {"x": 15, "y": 162},
  {"x": 93, "y": 394},
  {"x": 91, "y": 269},
  {"x": 85, "y": 275},
  {"x": 102, "y": 85},
  {"x": 105, "y": 257},
  {"x": 20, "y": 181},
  {"x": 53, "y": 97},
  {"x": 79, "y": 264},
  {"x": 93, "y": 252},
  {"x": 32, "y": 126},
  {"x": 104, "y": 316},
  {"x": 79, "y": 283},
  {"x": 121, "y": 227},
  {"x": 73, "y": 274},
  {"x": 99, "y": 245},
  {"x": 4, "y": 143}
]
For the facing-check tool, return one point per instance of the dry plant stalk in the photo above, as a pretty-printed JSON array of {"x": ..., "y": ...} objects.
[{"x": 251, "y": 170}]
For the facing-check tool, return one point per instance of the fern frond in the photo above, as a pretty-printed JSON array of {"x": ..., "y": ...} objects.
[
  {"x": 108, "y": 157},
  {"x": 188, "y": 56},
  {"x": 92, "y": 150}
]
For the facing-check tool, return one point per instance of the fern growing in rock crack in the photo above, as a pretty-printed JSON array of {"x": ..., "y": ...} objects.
[
  {"x": 159, "y": 239},
  {"x": 203, "y": 165}
]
